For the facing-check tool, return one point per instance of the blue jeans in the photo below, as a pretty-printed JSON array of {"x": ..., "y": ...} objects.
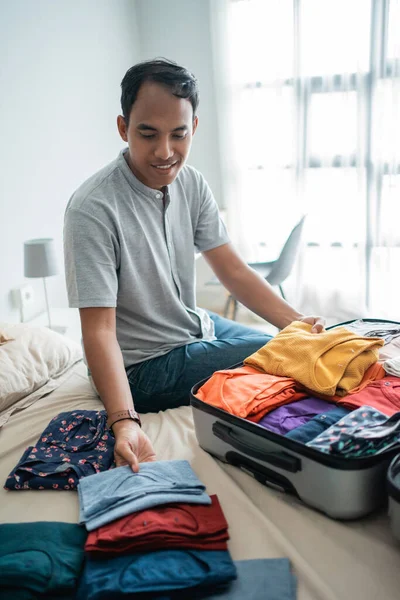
[{"x": 165, "y": 382}]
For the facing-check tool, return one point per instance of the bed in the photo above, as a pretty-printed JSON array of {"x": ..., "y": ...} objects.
[{"x": 332, "y": 560}]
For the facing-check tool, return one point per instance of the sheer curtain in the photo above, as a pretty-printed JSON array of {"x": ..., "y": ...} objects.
[
  {"x": 385, "y": 155},
  {"x": 309, "y": 101}
]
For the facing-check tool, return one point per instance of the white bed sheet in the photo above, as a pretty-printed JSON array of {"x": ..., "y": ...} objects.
[{"x": 332, "y": 560}]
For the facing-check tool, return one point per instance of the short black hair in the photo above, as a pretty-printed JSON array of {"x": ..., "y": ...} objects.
[{"x": 181, "y": 82}]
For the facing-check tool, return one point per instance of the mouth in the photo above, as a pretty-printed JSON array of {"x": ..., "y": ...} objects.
[{"x": 165, "y": 169}]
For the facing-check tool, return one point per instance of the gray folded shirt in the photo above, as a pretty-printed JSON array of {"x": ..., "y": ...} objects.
[
  {"x": 386, "y": 331},
  {"x": 260, "y": 579},
  {"x": 113, "y": 494}
]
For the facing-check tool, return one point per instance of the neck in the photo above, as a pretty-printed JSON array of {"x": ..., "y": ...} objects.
[{"x": 129, "y": 163}]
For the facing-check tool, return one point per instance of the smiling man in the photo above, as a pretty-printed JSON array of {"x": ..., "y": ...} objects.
[{"x": 130, "y": 235}]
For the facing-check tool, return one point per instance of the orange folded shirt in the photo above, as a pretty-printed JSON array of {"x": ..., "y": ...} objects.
[
  {"x": 247, "y": 393},
  {"x": 384, "y": 395}
]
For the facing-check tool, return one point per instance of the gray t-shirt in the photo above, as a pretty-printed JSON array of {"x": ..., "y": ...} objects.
[{"x": 123, "y": 248}]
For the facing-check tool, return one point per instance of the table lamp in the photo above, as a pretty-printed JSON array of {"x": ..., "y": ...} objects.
[{"x": 40, "y": 261}]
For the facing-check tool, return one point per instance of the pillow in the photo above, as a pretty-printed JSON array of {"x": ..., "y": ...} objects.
[{"x": 31, "y": 358}]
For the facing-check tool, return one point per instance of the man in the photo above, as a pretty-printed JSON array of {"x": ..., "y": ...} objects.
[{"x": 130, "y": 235}]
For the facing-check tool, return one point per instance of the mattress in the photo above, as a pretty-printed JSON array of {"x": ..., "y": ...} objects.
[{"x": 332, "y": 560}]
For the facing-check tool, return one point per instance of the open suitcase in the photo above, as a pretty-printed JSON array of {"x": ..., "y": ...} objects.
[{"x": 341, "y": 487}]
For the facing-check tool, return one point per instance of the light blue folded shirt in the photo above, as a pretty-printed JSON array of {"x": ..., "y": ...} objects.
[{"x": 110, "y": 495}]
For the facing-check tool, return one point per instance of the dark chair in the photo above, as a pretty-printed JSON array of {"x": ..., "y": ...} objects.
[{"x": 275, "y": 271}]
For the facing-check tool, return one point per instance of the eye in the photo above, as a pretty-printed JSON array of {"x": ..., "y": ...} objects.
[
  {"x": 180, "y": 137},
  {"x": 151, "y": 135}
]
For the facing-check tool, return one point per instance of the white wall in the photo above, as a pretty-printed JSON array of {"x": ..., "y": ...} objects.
[
  {"x": 61, "y": 67},
  {"x": 59, "y": 97},
  {"x": 180, "y": 30}
]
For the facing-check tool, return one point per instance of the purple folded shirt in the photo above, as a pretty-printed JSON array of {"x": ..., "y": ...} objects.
[{"x": 288, "y": 417}]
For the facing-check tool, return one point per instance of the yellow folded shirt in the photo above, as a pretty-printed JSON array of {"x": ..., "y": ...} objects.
[{"x": 331, "y": 362}]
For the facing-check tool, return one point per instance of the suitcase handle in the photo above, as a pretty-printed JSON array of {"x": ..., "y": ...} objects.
[
  {"x": 262, "y": 474},
  {"x": 278, "y": 459}
]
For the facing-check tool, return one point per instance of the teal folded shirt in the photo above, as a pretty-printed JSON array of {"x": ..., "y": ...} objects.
[{"x": 41, "y": 558}]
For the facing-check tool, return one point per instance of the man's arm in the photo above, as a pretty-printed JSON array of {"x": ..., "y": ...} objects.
[
  {"x": 250, "y": 288},
  {"x": 104, "y": 358}
]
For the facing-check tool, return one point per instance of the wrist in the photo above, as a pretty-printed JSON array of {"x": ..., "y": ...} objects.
[
  {"x": 121, "y": 415},
  {"x": 295, "y": 316},
  {"x": 124, "y": 425}
]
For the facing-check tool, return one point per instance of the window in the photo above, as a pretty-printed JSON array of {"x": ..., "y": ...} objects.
[
  {"x": 317, "y": 117},
  {"x": 261, "y": 40},
  {"x": 334, "y": 36}
]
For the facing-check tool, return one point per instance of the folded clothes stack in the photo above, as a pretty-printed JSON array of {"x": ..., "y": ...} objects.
[
  {"x": 301, "y": 384},
  {"x": 155, "y": 534},
  {"x": 158, "y": 532},
  {"x": 129, "y": 514}
]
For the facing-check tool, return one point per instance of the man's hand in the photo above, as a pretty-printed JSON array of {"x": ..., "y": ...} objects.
[
  {"x": 318, "y": 323},
  {"x": 132, "y": 446}
]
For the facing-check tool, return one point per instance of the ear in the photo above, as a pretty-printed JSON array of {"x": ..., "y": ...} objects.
[
  {"x": 122, "y": 128},
  {"x": 195, "y": 123}
]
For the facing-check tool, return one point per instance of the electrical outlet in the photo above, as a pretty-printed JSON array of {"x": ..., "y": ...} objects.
[
  {"x": 24, "y": 299},
  {"x": 27, "y": 295}
]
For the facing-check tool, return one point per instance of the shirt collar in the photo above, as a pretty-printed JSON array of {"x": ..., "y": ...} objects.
[{"x": 134, "y": 181}]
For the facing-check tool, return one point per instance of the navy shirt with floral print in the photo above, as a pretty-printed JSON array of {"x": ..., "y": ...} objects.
[{"x": 73, "y": 445}]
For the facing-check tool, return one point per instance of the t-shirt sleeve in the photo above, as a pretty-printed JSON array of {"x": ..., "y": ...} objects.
[
  {"x": 91, "y": 259},
  {"x": 210, "y": 231}
]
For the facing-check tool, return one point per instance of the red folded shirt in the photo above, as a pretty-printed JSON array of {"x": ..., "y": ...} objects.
[{"x": 197, "y": 526}]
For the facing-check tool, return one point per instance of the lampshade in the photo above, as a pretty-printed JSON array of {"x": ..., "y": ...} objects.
[{"x": 40, "y": 258}]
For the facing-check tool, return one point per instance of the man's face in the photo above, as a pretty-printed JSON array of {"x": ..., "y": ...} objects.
[{"x": 159, "y": 135}]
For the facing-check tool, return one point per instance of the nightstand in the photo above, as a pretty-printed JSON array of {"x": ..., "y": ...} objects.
[{"x": 63, "y": 320}]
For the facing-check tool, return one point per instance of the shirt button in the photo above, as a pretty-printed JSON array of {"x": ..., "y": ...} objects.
[
  {"x": 323, "y": 417},
  {"x": 144, "y": 523},
  {"x": 387, "y": 382}
]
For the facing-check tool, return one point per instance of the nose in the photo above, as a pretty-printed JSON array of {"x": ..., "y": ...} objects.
[{"x": 163, "y": 150}]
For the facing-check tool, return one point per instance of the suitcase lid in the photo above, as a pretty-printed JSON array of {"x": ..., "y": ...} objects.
[{"x": 344, "y": 323}]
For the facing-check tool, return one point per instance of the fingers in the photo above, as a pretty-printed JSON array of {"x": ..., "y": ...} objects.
[
  {"x": 125, "y": 456},
  {"x": 316, "y": 328},
  {"x": 134, "y": 464},
  {"x": 133, "y": 449},
  {"x": 147, "y": 453},
  {"x": 318, "y": 325},
  {"x": 151, "y": 458}
]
